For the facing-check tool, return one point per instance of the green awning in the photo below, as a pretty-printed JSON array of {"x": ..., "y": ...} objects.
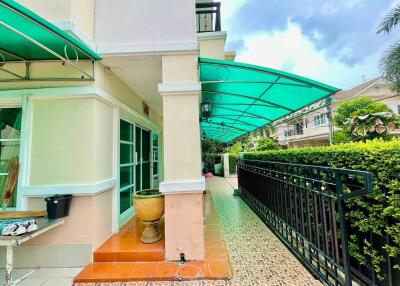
[
  {"x": 23, "y": 34},
  {"x": 245, "y": 97}
]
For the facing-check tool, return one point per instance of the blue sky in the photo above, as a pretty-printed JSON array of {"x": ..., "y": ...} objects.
[{"x": 333, "y": 41}]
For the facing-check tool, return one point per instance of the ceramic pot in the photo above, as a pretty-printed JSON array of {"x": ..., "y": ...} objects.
[{"x": 149, "y": 207}]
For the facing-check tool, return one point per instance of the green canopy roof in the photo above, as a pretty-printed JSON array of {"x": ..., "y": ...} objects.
[
  {"x": 245, "y": 97},
  {"x": 23, "y": 34}
]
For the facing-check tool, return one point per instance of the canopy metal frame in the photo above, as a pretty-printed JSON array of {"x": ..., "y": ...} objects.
[
  {"x": 242, "y": 95},
  {"x": 86, "y": 75}
]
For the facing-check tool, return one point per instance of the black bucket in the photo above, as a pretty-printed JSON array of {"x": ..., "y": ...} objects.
[{"x": 58, "y": 206}]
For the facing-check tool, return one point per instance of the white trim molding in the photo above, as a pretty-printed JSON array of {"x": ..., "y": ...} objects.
[
  {"x": 179, "y": 88},
  {"x": 73, "y": 189},
  {"x": 70, "y": 27},
  {"x": 14, "y": 96},
  {"x": 147, "y": 49},
  {"x": 221, "y": 35},
  {"x": 179, "y": 187}
]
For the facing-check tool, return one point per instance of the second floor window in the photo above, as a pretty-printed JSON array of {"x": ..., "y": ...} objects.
[{"x": 320, "y": 119}]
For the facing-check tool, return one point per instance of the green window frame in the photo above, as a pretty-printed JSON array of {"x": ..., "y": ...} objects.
[
  {"x": 127, "y": 165},
  {"x": 156, "y": 154},
  {"x": 10, "y": 144}
]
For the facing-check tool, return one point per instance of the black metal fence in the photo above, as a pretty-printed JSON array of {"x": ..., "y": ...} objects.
[
  {"x": 208, "y": 16},
  {"x": 305, "y": 206}
]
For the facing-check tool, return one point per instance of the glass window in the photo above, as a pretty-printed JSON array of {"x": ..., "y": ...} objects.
[
  {"x": 126, "y": 160},
  {"x": 320, "y": 119},
  {"x": 10, "y": 134}
]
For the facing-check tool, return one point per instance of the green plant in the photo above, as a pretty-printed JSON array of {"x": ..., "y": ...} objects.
[
  {"x": 390, "y": 62},
  {"x": 362, "y": 118},
  {"x": 266, "y": 143},
  {"x": 236, "y": 148},
  {"x": 377, "y": 214},
  {"x": 232, "y": 163}
]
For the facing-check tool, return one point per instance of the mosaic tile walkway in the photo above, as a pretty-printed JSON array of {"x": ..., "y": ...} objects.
[{"x": 256, "y": 255}]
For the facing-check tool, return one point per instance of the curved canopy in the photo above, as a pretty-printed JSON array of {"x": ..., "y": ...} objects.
[
  {"x": 245, "y": 97},
  {"x": 25, "y": 36}
]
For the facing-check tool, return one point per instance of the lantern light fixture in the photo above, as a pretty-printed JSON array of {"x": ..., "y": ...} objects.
[{"x": 206, "y": 109}]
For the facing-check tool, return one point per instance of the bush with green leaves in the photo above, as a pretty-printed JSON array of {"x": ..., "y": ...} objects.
[
  {"x": 266, "y": 143},
  {"x": 232, "y": 163},
  {"x": 377, "y": 214},
  {"x": 363, "y": 119}
]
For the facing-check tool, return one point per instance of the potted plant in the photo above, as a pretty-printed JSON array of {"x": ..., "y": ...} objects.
[{"x": 149, "y": 207}]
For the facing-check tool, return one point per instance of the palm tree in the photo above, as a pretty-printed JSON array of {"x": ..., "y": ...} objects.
[{"x": 390, "y": 62}]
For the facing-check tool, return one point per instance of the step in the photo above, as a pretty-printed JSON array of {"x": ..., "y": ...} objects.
[
  {"x": 152, "y": 271},
  {"x": 128, "y": 256}
]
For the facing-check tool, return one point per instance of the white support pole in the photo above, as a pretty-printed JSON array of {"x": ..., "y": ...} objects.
[
  {"x": 226, "y": 165},
  {"x": 9, "y": 265}
]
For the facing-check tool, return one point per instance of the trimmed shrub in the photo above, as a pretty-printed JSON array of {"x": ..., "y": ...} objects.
[
  {"x": 232, "y": 163},
  {"x": 377, "y": 214}
]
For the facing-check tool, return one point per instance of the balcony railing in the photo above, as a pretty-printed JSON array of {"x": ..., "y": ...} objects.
[{"x": 208, "y": 17}]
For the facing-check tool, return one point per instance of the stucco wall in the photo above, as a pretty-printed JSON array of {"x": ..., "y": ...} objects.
[
  {"x": 137, "y": 22},
  {"x": 109, "y": 82},
  {"x": 81, "y": 13},
  {"x": 72, "y": 141},
  {"x": 212, "y": 46},
  {"x": 62, "y": 141},
  {"x": 90, "y": 221}
]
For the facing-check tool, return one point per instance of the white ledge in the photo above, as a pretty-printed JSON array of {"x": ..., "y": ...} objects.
[
  {"x": 73, "y": 189},
  {"x": 111, "y": 50},
  {"x": 179, "y": 88},
  {"x": 179, "y": 187},
  {"x": 212, "y": 35}
]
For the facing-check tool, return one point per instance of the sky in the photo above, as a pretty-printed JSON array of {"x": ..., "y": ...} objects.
[{"x": 332, "y": 41}]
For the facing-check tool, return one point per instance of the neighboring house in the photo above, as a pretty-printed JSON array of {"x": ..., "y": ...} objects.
[
  {"x": 102, "y": 129},
  {"x": 311, "y": 126}
]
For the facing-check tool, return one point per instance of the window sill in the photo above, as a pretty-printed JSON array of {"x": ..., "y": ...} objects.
[{"x": 73, "y": 189}]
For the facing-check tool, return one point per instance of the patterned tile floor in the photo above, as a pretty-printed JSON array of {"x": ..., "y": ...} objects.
[{"x": 256, "y": 255}]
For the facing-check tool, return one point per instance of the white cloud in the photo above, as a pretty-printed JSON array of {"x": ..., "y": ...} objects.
[
  {"x": 292, "y": 51},
  {"x": 230, "y": 8}
]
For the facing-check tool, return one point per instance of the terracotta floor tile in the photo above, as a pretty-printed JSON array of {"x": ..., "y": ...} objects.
[{"x": 136, "y": 261}]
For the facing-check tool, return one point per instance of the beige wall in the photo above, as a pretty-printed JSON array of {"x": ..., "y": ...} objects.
[
  {"x": 103, "y": 139},
  {"x": 179, "y": 69},
  {"x": 81, "y": 13},
  {"x": 185, "y": 230},
  {"x": 62, "y": 142},
  {"x": 182, "y": 158},
  {"x": 138, "y": 23},
  {"x": 211, "y": 46},
  {"x": 110, "y": 83},
  {"x": 89, "y": 221},
  {"x": 71, "y": 141}
]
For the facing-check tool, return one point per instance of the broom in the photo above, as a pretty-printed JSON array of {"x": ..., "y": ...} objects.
[{"x": 13, "y": 171}]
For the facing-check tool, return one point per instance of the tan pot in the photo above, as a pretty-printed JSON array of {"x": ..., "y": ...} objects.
[{"x": 149, "y": 207}]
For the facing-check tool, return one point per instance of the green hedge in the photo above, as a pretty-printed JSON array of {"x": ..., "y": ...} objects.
[
  {"x": 378, "y": 213},
  {"x": 232, "y": 163}
]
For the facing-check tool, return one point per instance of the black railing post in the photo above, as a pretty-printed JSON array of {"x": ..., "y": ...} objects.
[
  {"x": 343, "y": 230},
  {"x": 300, "y": 204},
  {"x": 218, "y": 18}
]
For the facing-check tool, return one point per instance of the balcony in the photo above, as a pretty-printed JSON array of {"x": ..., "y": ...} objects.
[{"x": 208, "y": 17}]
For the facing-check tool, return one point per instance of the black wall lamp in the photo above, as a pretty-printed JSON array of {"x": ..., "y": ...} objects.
[{"x": 206, "y": 109}]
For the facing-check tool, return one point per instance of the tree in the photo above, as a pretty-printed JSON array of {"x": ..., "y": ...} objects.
[
  {"x": 236, "y": 148},
  {"x": 266, "y": 143},
  {"x": 390, "y": 62},
  {"x": 362, "y": 118}
]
